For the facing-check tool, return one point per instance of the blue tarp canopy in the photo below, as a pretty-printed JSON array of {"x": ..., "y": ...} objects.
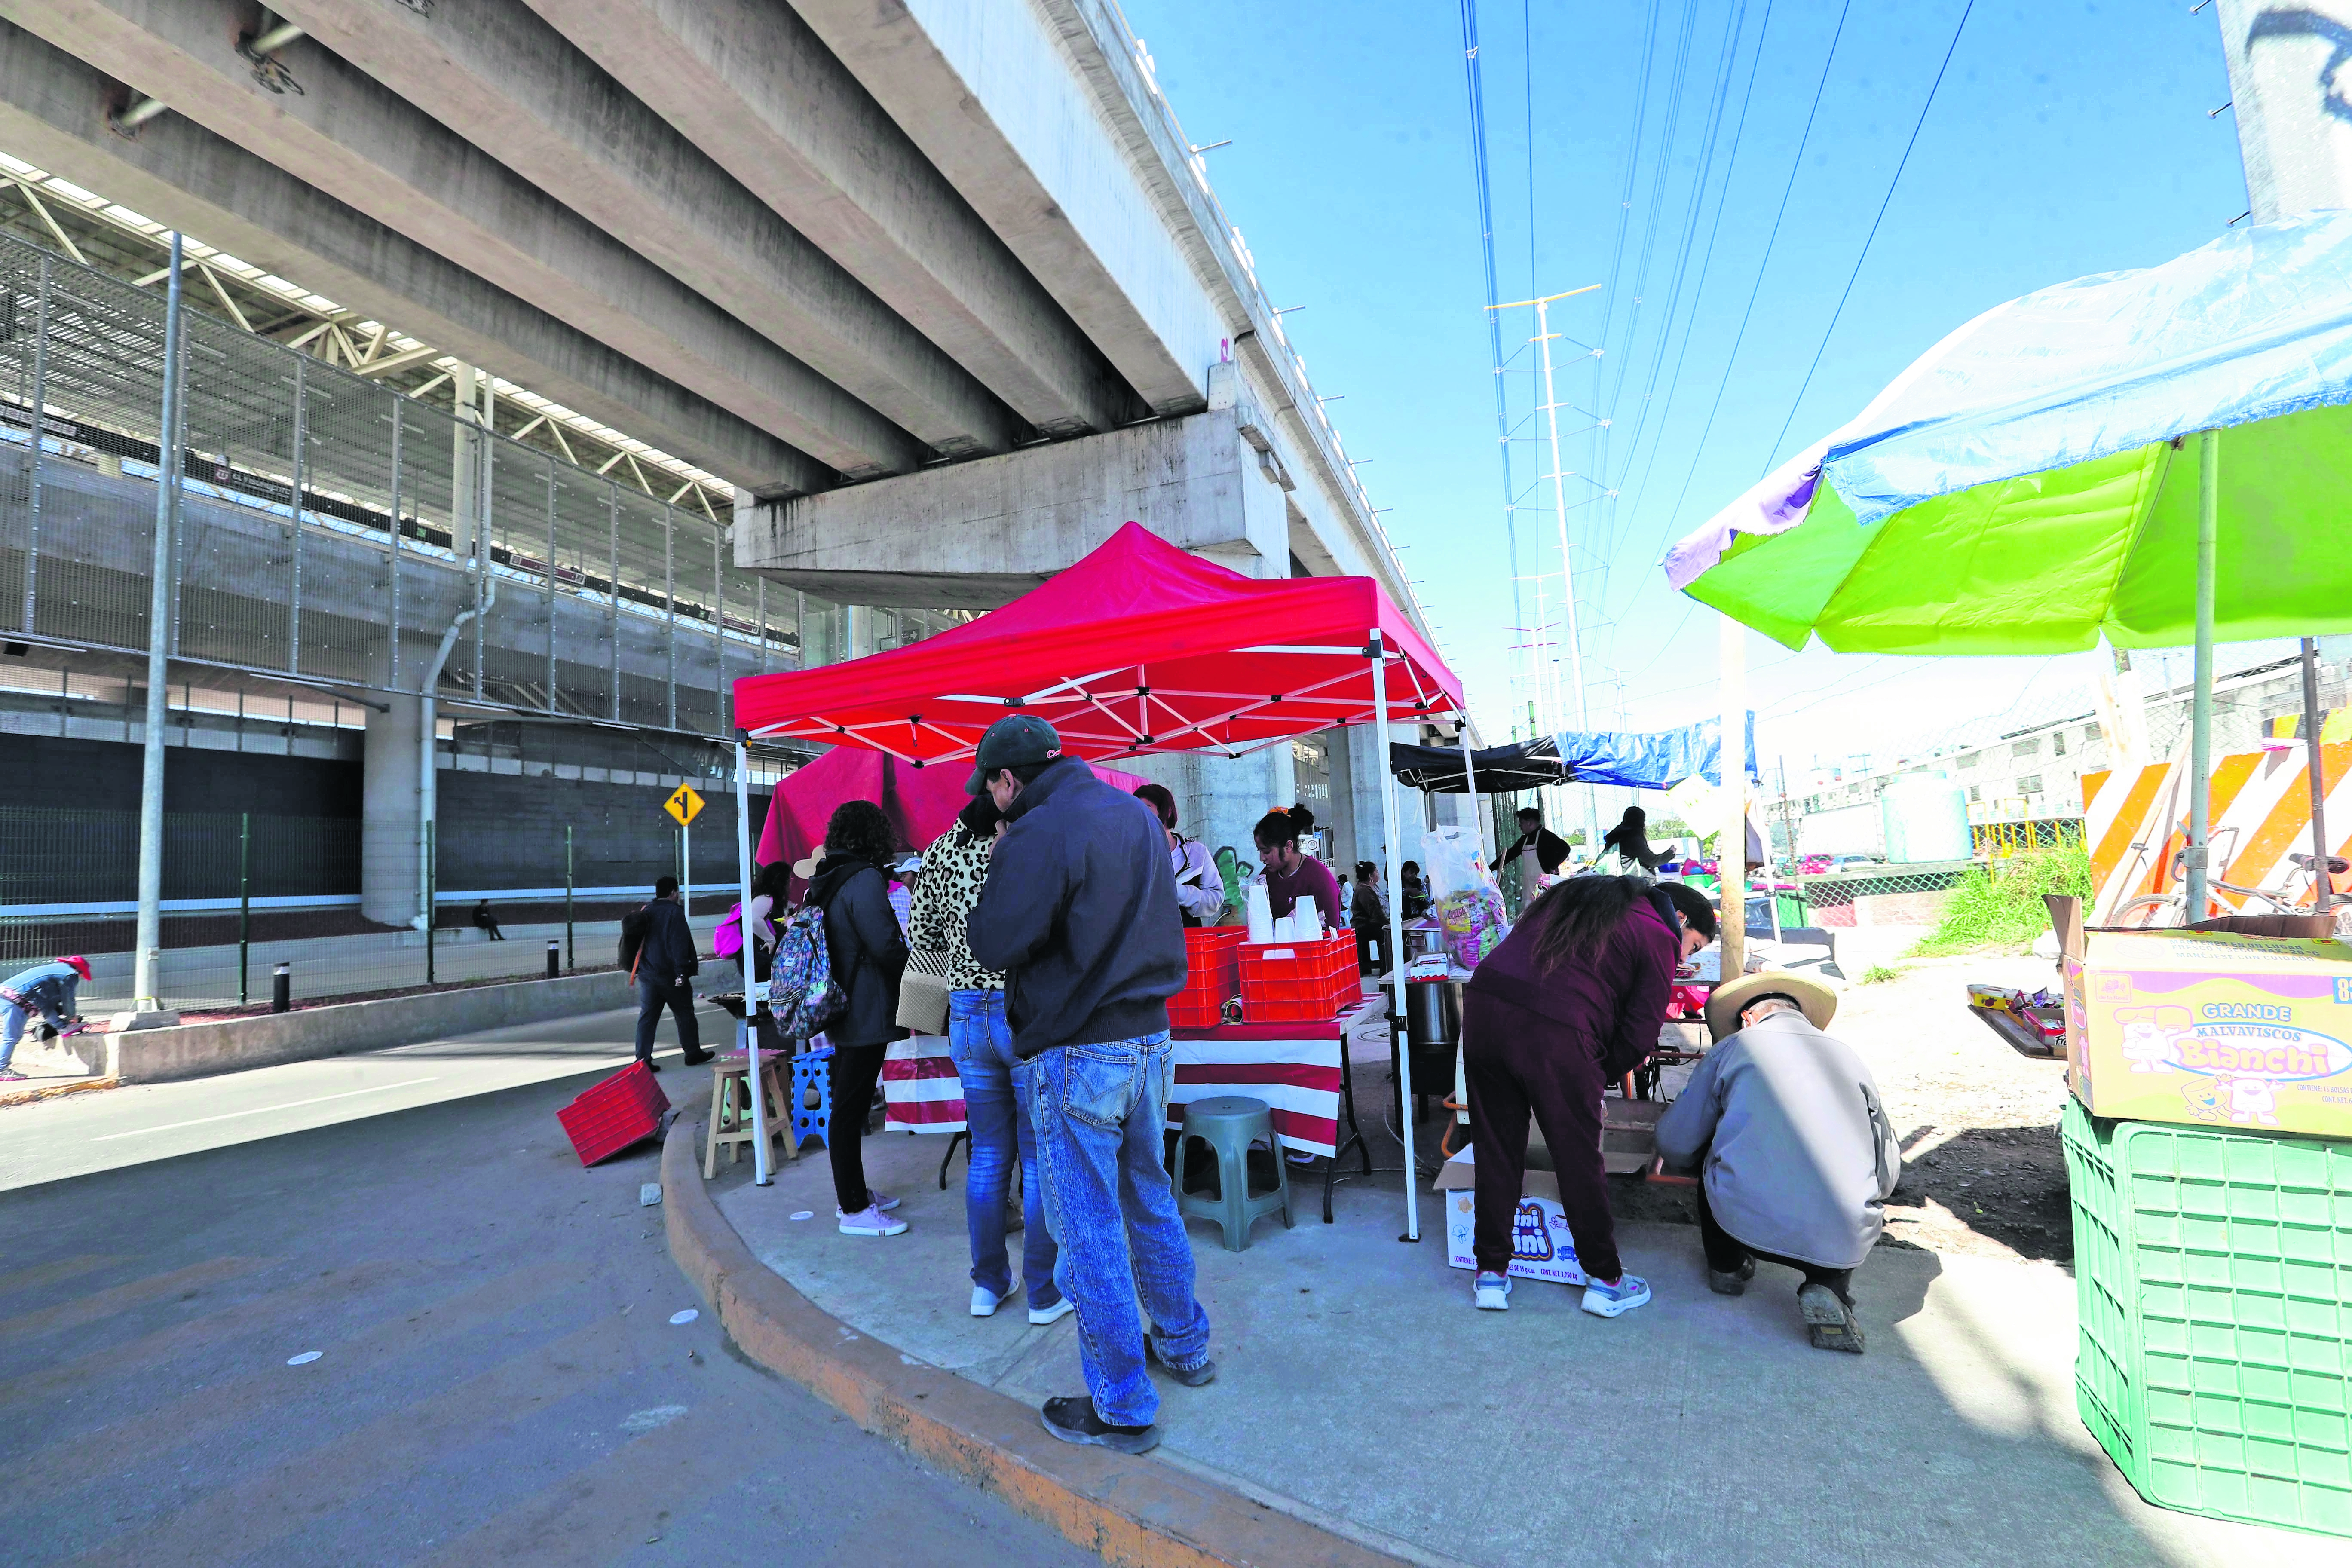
[{"x": 1657, "y": 759}]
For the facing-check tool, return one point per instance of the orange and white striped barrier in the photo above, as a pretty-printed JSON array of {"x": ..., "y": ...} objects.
[{"x": 2135, "y": 822}]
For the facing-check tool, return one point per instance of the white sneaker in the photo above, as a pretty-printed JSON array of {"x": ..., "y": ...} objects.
[
  {"x": 880, "y": 1199},
  {"x": 1612, "y": 1301},
  {"x": 870, "y": 1221},
  {"x": 1052, "y": 1314},
  {"x": 984, "y": 1301},
  {"x": 1493, "y": 1293}
]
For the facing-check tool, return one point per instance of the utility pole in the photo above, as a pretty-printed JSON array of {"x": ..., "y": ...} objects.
[
  {"x": 163, "y": 601},
  {"x": 1558, "y": 476},
  {"x": 1731, "y": 766}
]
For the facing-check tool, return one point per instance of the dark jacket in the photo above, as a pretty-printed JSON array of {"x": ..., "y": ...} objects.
[
  {"x": 1079, "y": 910},
  {"x": 1616, "y": 1004},
  {"x": 867, "y": 949},
  {"x": 667, "y": 955},
  {"x": 1552, "y": 849}
]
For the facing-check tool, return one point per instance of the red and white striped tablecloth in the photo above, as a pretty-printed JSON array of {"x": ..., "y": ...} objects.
[
  {"x": 921, "y": 1090},
  {"x": 1294, "y": 1068}
]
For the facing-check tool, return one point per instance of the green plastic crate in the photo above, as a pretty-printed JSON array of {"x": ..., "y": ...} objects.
[{"x": 2213, "y": 1274}]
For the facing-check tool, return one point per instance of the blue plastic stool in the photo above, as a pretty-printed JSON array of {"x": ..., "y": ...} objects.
[
  {"x": 812, "y": 1071},
  {"x": 1229, "y": 1124}
]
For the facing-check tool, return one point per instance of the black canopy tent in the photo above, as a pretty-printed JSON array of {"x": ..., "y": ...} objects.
[{"x": 1498, "y": 770}]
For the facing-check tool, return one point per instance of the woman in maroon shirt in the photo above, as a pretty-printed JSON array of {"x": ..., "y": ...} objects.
[
  {"x": 1573, "y": 998},
  {"x": 1291, "y": 874}
]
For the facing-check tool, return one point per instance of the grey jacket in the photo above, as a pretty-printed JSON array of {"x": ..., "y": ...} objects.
[{"x": 1798, "y": 1153}]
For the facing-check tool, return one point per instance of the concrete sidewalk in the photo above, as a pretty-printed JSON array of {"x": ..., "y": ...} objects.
[{"x": 1358, "y": 1390}]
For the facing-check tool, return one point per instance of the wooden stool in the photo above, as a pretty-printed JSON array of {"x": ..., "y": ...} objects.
[{"x": 731, "y": 1110}]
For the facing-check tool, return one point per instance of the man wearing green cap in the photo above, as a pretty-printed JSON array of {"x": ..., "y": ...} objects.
[{"x": 1079, "y": 910}]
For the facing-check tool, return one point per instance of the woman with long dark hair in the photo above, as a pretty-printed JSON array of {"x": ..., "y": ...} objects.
[
  {"x": 1290, "y": 873},
  {"x": 1630, "y": 841},
  {"x": 1573, "y": 998},
  {"x": 868, "y": 955},
  {"x": 995, "y": 1080}
]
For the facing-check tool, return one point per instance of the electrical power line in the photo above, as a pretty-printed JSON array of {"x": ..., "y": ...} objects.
[
  {"x": 1707, "y": 265},
  {"x": 1847, "y": 293},
  {"x": 1748, "y": 311}
]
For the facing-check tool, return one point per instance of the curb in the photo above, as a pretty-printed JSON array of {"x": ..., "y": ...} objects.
[{"x": 1133, "y": 1511}]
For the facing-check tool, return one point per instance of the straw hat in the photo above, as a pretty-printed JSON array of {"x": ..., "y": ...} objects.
[{"x": 1818, "y": 1002}]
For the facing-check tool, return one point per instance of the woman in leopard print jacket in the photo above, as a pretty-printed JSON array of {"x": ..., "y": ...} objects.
[{"x": 981, "y": 1041}]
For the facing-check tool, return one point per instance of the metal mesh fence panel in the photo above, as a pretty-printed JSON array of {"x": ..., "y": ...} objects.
[
  {"x": 328, "y": 535},
  {"x": 104, "y": 353},
  {"x": 237, "y": 535},
  {"x": 23, "y": 307}
]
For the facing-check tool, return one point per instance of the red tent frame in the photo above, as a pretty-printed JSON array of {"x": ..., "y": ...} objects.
[{"x": 1137, "y": 648}]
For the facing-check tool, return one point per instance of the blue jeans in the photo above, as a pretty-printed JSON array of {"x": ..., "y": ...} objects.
[
  {"x": 981, "y": 1041},
  {"x": 14, "y": 1016},
  {"x": 1100, "y": 1112}
]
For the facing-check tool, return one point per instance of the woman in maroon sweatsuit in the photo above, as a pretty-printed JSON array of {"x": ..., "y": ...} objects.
[{"x": 1570, "y": 1001}]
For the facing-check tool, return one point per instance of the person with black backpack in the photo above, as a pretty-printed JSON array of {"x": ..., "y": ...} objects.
[
  {"x": 867, "y": 955},
  {"x": 657, "y": 948}
]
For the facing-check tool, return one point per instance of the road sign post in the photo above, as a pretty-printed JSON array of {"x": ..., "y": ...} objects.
[{"x": 684, "y": 805}]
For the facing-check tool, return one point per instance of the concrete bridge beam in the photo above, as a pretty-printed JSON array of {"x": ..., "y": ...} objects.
[
  {"x": 53, "y": 111},
  {"x": 752, "y": 86},
  {"x": 977, "y": 535},
  {"x": 358, "y": 141},
  {"x": 985, "y": 89},
  {"x": 495, "y": 73}
]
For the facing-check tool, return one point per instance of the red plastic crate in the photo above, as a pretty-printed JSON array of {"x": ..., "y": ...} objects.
[
  {"x": 1212, "y": 976},
  {"x": 1299, "y": 982},
  {"x": 608, "y": 1117}
]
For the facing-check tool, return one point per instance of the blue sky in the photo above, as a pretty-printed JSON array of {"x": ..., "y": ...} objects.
[{"x": 2067, "y": 138}]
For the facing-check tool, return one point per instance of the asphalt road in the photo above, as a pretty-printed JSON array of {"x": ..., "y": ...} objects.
[{"x": 497, "y": 1378}]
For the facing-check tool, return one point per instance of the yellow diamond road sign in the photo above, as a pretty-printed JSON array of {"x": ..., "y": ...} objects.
[{"x": 685, "y": 805}]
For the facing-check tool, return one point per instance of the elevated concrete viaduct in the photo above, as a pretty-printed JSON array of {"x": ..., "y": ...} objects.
[
  {"x": 941, "y": 286},
  {"x": 53, "y": 113}
]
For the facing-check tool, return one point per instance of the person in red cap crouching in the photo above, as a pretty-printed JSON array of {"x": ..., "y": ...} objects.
[{"x": 46, "y": 988}]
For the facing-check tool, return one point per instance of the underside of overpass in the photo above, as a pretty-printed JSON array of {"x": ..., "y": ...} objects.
[{"x": 918, "y": 303}]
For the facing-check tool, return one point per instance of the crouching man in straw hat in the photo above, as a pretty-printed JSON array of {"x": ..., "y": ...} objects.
[{"x": 1795, "y": 1154}]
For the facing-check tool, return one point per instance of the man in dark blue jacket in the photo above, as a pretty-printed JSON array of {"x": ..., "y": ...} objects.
[
  {"x": 664, "y": 967},
  {"x": 1079, "y": 910}
]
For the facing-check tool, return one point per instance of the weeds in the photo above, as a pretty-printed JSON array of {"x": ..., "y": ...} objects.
[
  {"x": 2000, "y": 906},
  {"x": 1879, "y": 974}
]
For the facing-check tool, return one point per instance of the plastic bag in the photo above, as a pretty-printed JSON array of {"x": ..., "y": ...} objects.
[{"x": 1466, "y": 899}]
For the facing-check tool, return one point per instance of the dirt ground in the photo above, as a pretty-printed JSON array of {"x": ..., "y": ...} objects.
[{"x": 1982, "y": 1173}]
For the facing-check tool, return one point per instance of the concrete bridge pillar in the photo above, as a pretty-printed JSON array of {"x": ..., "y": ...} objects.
[{"x": 391, "y": 814}]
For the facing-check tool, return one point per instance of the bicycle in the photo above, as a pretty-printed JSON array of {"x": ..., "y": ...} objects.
[{"x": 2297, "y": 893}]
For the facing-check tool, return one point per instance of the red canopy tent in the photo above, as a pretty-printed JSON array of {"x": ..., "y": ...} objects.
[{"x": 1138, "y": 647}]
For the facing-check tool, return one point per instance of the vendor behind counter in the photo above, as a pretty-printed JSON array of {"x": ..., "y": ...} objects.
[{"x": 1290, "y": 873}]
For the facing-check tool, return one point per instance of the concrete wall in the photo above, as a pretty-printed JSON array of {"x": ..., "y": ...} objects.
[{"x": 200, "y": 1050}]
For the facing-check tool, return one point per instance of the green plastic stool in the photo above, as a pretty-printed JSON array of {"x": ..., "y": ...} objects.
[{"x": 1230, "y": 1123}]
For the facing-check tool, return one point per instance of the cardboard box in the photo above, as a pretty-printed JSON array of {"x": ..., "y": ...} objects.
[
  {"x": 1542, "y": 1247},
  {"x": 2207, "y": 1027}
]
